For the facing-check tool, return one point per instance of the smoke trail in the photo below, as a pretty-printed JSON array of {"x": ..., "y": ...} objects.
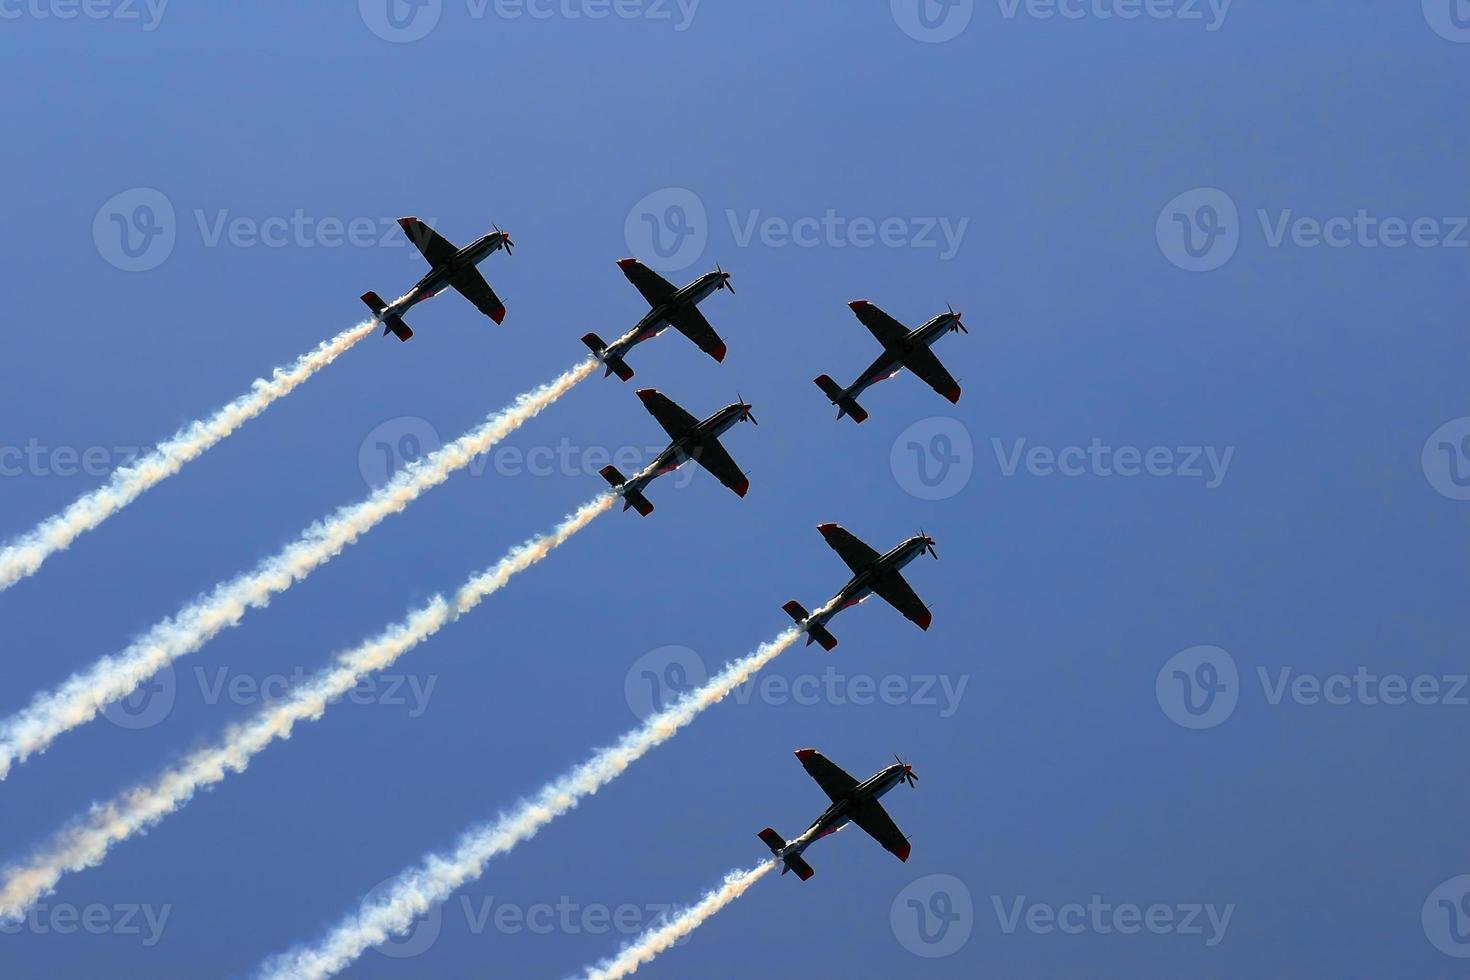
[
  {"x": 24, "y": 555},
  {"x": 84, "y": 694},
  {"x": 85, "y": 842},
  {"x": 643, "y": 949},
  {"x": 437, "y": 877}
]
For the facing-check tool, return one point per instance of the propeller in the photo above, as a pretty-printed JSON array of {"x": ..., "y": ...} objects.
[
  {"x": 928, "y": 544},
  {"x": 958, "y": 322},
  {"x": 724, "y": 279},
  {"x": 745, "y": 413},
  {"x": 908, "y": 771},
  {"x": 505, "y": 240}
]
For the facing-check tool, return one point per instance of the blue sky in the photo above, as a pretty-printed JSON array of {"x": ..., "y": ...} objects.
[{"x": 1239, "y": 234}]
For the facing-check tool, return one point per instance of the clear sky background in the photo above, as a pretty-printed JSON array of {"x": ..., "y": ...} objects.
[{"x": 1331, "y": 543}]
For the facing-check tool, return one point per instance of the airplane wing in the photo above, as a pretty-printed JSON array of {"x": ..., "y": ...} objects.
[
  {"x": 829, "y": 775},
  {"x": 674, "y": 419},
  {"x": 473, "y": 287},
  {"x": 928, "y": 369},
  {"x": 888, "y": 331},
  {"x": 893, "y": 590},
  {"x": 713, "y": 457},
  {"x": 692, "y": 324},
  {"x": 654, "y": 287},
  {"x": 880, "y": 826},
  {"x": 857, "y": 555},
  {"x": 434, "y": 246}
]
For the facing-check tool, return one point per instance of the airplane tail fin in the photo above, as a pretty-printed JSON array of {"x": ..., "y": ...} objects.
[
  {"x": 615, "y": 365},
  {"x": 630, "y": 499},
  {"x": 795, "y": 862},
  {"x": 394, "y": 324},
  {"x": 846, "y": 404},
  {"x": 816, "y": 634}
]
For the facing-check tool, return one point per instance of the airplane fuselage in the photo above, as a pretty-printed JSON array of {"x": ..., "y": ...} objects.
[
  {"x": 437, "y": 278},
  {"x": 685, "y": 447},
  {"x": 860, "y": 586},
  {"x": 657, "y": 319},
  {"x": 890, "y": 362},
  {"x": 839, "y": 813}
]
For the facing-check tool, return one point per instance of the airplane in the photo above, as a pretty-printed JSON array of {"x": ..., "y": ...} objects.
[
  {"x": 451, "y": 266},
  {"x": 670, "y": 307},
  {"x": 853, "y": 802},
  {"x": 871, "y": 573},
  {"x": 902, "y": 348},
  {"x": 693, "y": 439}
]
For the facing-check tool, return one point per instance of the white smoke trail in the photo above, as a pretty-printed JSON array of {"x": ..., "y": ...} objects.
[
  {"x": 643, "y": 949},
  {"x": 86, "y": 841},
  {"x": 82, "y": 696},
  {"x": 439, "y": 875},
  {"x": 24, "y": 555}
]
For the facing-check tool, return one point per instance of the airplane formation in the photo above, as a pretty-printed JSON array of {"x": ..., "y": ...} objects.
[
  {"x": 699, "y": 440},
  {"x": 86, "y": 841}
]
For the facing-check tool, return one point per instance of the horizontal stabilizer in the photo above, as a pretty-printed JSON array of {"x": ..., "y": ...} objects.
[
  {"x": 772, "y": 840},
  {"x": 798, "y": 864},
  {"x": 846, "y": 404},
  {"x": 392, "y": 324},
  {"x": 614, "y": 365},
  {"x": 814, "y": 634},
  {"x": 630, "y": 498},
  {"x": 820, "y": 635}
]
